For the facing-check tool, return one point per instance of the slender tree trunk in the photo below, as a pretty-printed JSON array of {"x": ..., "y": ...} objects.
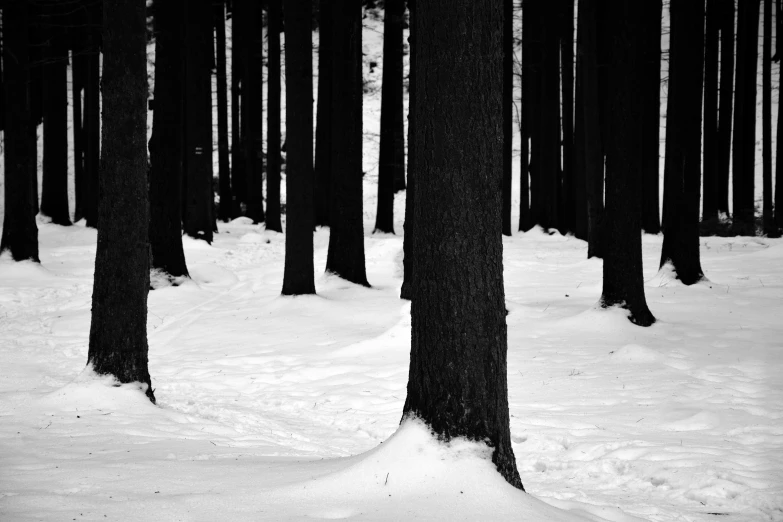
[
  {"x": 408, "y": 248},
  {"x": 224, "y": 170},
  {"x": 778, "y": 142},
  {"x": 20, "y": 233},
  {"x": 238, "y": 181},
  {"x": 298, "y": 275},
  {"x": 623, "y": 279},
  {"x": 54, "y": 196},
  {"x": 526, "y": 126},
  {"x": 651, "y": 115},
  {"x": 92, "y": 115},
  {"x": 78, "y": 70},
  {"x": 273, "y": 119},
  {"x": 118, "y": 332},
  {"x": 345, "y": 257},
  {"x": 768, "y": 217},
  {"x": 744, "y": 153},
  {"x": 253, "y": 108},
  {"x": 682, "y": 167},
  {"x": 392, "y": 154},
  {"x": 580, "y": 189},
  {"x": 508, "y": 116},
  {"x": 323, "y": 131},
  {"x": 711, "y": 150},
  {"x": 568, "y": 201},
  {"x": 459, "y": 315},
  {"x": 166, "y": 143},
  {"x": 726, "y": 101}
]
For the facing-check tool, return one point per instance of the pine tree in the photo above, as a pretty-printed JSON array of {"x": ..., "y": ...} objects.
[
  {"x": 224, "y": 169},
  {"x": 567, "y": 203},
  {"x": 92, "y": 113},
  {"x": 508, "y": 117},
  {"x": 726, "y": 14},
  {"x": 651, "y": 115},
  {"x": 408, "y": 248},
  {"x": 253, "y": 106},
  {"x": 768, "y": 217},
  {"x": 273, "y": 119},
  {"x": 323, "y": 131}
]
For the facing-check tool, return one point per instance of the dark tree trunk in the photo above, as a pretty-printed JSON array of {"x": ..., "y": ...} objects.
[
  {"x": 651, "y": 115},
  {"x": 623, "y": 278},
  {"x": 711, "y": 146},
  {"x": 54, "y": 194},
  {"x": 323, "y": 131},
  {"x": 92, "y": 115},
  {"x": 766, "y": 122},
  {"x": 744, "y": 150},
  {"x": 392, "y": 149},
  {"x": 118, "y": 332},
  {"x": 726, "y": 101},
  {"x": 346, "y": 239},
  {"x": 199, "y": 199},
  {"x": 298, "y": 275},
  {"x": 78, "y": 71},
  {"x": 526, "y": 126},
  {"x": 253, "y": 108},
  {"x": 682, "y": 166},
  {"x": 778, "y": 142},
  {"x": 273, "y": 119},
  {"x": 166, "y": 143},
  {"x": 20, "y": 233},
  {"x": 459, "y": 315},
  {"x": 568, "y": 200},
  {"x": 408, "y": 248},
  {"x": 238, "y": 47},
  {"x": 224, "y": 170},
  {"x": 508, "y": 116},
  {"x": 580, "y": 189}
]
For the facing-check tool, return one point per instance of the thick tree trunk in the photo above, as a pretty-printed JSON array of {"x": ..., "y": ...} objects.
[
  {"x": 391, "y": 165},
  {"x": 323, "y": 131},
  {"x": 508, "y": 116},
  {"x": 224, "y": 170},
  {"x": 568, "y": 199},
  {"x": 623, "y": 279},
  {"x": 526, "y": 126},
  {"x": 118, "y": 332},
  {"x": 711, "y": 150},
  {"x": 167, "y": 140},
  {"x": 651, "y": 115},
  {"x": 346, "y": 239},
  {"x": 238, "y": 47},
  {"x": 726, "y": 102},
  {"x": 298, "y": 275},
  {"x": 273, "y": 119},
  {"x": 459, "y": 315},
  {"x": 408, "y": 248},
  {"x": 20, "y": 233},
  {"x": 768, "y": 217},
  {"x": 199, "y": 199},
  {"x": 744, "y": 153},
  {"x": 92, "y": 114},
  {"x": 253, "y": 108}
]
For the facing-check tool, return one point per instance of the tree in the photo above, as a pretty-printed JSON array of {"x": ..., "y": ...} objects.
[
  {"x": 238, "y": 48},
  {"x": 408, "y": 248},
  {"x": 253, "y": 106},
  {"x": 457, "y": 377},
  {"x": 20, "y": 233},
  {"x": 392, "y": 148},
  {"x": 623, "y": 281},
  {"x": 345, "y": 257},
  {"x": 298, "y": 275},
  {"x": 682, "y": 166},
  {"x": 766, "y": 122},
  {"x": 92, "y": 112},
  {"x": 224, "y": 170},
  {"x": 526, "y": 126},
  {"x": 78, "y": 69},
  {"x": 118, "y": 332},
  {"x": 323, "y": 130},
  {"x": 779, "y": 142},
  {"x": 726, "y": 102},
  {"x": 508, "y": 117},
  {"x": 567, "y": 202},
  {"x": 166, "y": 143},
  {"x": 651, "y": 114},
  {"x": 711, "y": 151},
  {"x": 273, "y": 119}
]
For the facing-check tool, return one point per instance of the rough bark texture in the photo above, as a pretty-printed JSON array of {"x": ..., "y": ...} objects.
[
  {"x": 623, "y": 279},
  {"x": 508, "y": 116},
  {"x": 92, "y": 114},
  {"x": 408, "y": 249},
  {"x": 273, "y": 119},
  {"x": 726, "y": 102},
  {"x": 224, "y": 170},
  {"x": 568, "y": 195},
  {"x": 118, "y": 332},
  {"x": 346, "y": 239},
  {"x": 323, "y": 131},
  {"x": 651, "y": 115},
  {"x": 166, "y": 142},
  {"x": 298, "y": 275},
  {"x": 391, "y": 165},
  {"x": 711, "y": 150},
  {"x": 457, "y": 380},
  {"x": 253, "y": 107},
  {"x": 766, "y": 122},
  {"x": 20, "y": 233}
]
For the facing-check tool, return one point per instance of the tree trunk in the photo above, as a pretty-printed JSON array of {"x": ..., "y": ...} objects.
[
  {"x": 766, "y": 122},
  {"x": 224, "y": 170},
  {"x": 20, "y": 233},
  {"x": 651, "y": 115},
  {"x": 711, "y": 147},
  {"x": 92, "y": 114},
  {"x": 118, "y": 332},
  {"x": 346, "y": 239},
  {"x": 323, "y": 136},
  {"x": 580, "y": 188},
  {"x": 778, "y": 143},
  {"x": 508, "y": 116},
  {"x": 457, "y": 381},
  {"x": 166, "y": 143},
  {"x": 199, "y": 199},
  {"x": 744, "y": 153},
  {"x": 526, "y": 127},
  {"x": 54, "y": 195},
  {"x": 78, "y": 71},
  {"x": 726, "y": 100},
  {"x": 298, "y": 275},
  {"x": 238, "y": 47},
  {"x": 623, "y": 278},
  {"x": 392, "y": 154},
  {"x": 568, "y": 199},
  {"x": 253, "y": 108},
  {"x": 273, "y": 119},
  {"x": 408, "y": 248}
]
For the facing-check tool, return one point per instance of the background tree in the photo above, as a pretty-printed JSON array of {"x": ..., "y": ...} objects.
[
  {"x": 726, "y": 14},
  {"x": 238, "y": 48},
  {"x": 118, "y": 331},
  {"x": 78, "y": 68},
  {"x": 408, "y": 249},
  {"x": 711, "y": 150},
  {"x": 323, "y": 131},
  {"x": 508, "y": 117},
  {"x": 20, "y": 233},
  {"x": 224, "y": 169},
  {"x": 567, "y": 202},
  {"x": 252, "y": 105},
  {"x": 623, "y": 280},
  {"x": 779, "y": 143},
  {"x": 768, "y": 217},
  {"x": 457, "y": 378},
  {"x": 651, "y": 114},
  {"x": 92, "y": 111},
  {"x": 298, "y": 275},
  {"x": 526, "y": 126},
  {"x": 273, "y": 119},
  {"x": 345, "y": 257}
]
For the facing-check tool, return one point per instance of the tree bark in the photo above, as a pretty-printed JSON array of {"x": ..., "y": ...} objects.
[
  {"x": 253, "y": 108},
  {"x": 726, "y": 102},
  {"x": 457, "y": 381},
  {"x": 623, "y": 279},
  {"x": 768, "y": 217},
  {"x": 273, "y": 119},
  {"x": 526, "y": 127},
  {"x": 238, "y": 47},
  {"x": 20, "y": 233},
  {"x": 345, "y": 257},
  {"x": 224, "y": 169},
  {"x": 92, "y": 114},
  {"x": 323, "y": 136},
  {"x": 408, "y": 248},
  {"x": 508, "y": 117},
  {"x": 118, "y": 332},
  {"x": 651, "y": 115},
  {"x": 711, "y": 150},
  {"x": 568, "y": 200},
  {"x": 78, "y": 70},
  {"x": 298, "y": 274},
  {"x": 779, "y": 143}
]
